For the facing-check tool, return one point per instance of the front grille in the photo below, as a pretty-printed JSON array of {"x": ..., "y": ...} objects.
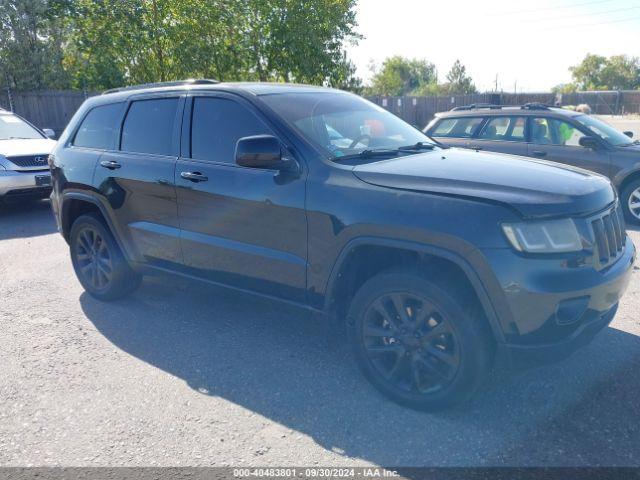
[
  {"x": 30, "y": 160},
  {"x": 610, "y": 235}
]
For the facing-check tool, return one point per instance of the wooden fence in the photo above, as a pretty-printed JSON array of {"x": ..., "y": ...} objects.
[
  {"x": 45, "y": 109},
  {"x": 54, "y": 109}
]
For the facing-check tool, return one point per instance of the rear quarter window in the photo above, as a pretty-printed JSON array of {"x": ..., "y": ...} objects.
[
  {"x": 98, "y": 128},
  {"x": 463, "y": 127}
]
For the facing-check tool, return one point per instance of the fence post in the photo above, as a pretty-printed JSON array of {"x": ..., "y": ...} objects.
[{"x": 618, "y": 102}]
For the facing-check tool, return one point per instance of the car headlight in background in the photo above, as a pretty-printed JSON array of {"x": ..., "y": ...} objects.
[{"x": 551, "y": 236}]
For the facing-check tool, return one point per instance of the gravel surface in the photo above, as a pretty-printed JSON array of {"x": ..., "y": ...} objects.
[{"x": 180, "y": 374}]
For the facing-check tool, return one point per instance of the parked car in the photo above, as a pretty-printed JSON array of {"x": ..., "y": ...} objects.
[
  {"x": 24, "y": 171},
  {"x": 547, "y": 133},
  {"x": 440, "y": 261}
]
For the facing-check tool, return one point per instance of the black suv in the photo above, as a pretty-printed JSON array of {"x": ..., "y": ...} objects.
[
  {"x": 440, "y": 261},
  {"x": 547, "y": 133}
]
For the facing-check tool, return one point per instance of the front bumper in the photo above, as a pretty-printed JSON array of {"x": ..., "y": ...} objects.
[
  {"x": 15, "y": 183},
  {"x": 554, "y": 308}
]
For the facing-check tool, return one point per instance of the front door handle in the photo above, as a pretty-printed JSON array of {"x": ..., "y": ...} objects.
[
  {"x": 475, "y": 147},
  {"x": 538, "y": 153},
  {"x": 110, "y": 164},
  {"x": 194, "y": 176}
]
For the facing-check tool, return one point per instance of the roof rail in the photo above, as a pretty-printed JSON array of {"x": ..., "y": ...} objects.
[
  {"x": 534, "y": 106},
  {"x": 476, "y": 106},
  {"x": 178, "y": 83}
]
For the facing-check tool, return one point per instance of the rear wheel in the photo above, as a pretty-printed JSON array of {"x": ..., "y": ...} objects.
[
  {"x": 416, "y": 343},
  {"x": 98, "y": 262},
  {"x": 630, "y": 198}
]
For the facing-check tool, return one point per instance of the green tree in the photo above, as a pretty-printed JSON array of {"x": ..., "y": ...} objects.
[
  {"x": 458, "y": 82},
  {"x": 595, "y": 72},
  {"x": 402, "y": 76},
  {"x": 116, "y": 42},
  {"x": 31, "y": 40}
]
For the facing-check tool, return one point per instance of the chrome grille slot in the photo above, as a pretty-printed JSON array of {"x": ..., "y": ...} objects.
[
  {"x": 30, "y": 160},
  {"x": 609, "y": 235}
]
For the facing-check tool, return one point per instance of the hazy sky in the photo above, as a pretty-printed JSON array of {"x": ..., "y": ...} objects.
[{"x": 529, "y": 42}]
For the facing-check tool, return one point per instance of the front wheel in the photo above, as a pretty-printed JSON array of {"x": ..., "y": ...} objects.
[
  {"x": 98, "y": 262},
  {"x": 630, "y": 198},
  {"x": 416, "y": 343}
]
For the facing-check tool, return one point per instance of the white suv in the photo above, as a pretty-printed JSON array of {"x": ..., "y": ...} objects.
[{"x": 24, "y": 149}]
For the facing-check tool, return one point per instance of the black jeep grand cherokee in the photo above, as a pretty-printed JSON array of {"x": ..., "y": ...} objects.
[{"x": 439, "y": 260}]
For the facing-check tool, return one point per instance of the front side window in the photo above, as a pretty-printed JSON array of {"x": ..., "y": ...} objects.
[
  {"x": 342, "y": 124},
  {"x": 604, "y": 130},
  {"x": 463, "y": 127},
  {"x": 508, "y": 129},
  {"x": 13, "y": 127},
  {"x": 148, "y": 127},
  {"x": 98, "y": 128},
  {"x": 216, "y": 126},
  {"x": 550, "y": 131}
]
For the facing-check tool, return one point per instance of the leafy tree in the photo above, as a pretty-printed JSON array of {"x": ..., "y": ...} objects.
[
  {"x": 565, "y": 88},
  {"x": 116, "y": 42},
  {"x": 458, "y": 82},
  {"x": 31, "y": 34},
  {"x": 595, "y": 72},
  {"x": 402, "y": 76}
]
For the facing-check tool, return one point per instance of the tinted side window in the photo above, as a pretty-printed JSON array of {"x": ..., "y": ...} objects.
[
  {"x": 99, "y": 127},
  {"x": 148, "y": 127},
  {"x": 549, "y": 131},
  {"x": 216, "y": 126},
  {"x": 457, "y": 127},
  {"x": 504, "y": 129}
]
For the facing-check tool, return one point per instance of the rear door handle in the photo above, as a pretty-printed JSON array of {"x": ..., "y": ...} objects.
[
  {"x": 110, "y": 164},
  {"x": 538, "y": 153},
  {"x": 475, "y": 147},
  {"x": 194, "y": 176}
]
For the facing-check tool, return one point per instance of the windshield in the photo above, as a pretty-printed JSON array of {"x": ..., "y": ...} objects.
[
  {"x": 12, "y": 127},
  {"x": 604, "y": 130},
  {"x": 343, "y": 124}
]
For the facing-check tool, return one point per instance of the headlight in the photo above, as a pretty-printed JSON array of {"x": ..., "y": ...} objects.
[{"x": 552, "y": 236}]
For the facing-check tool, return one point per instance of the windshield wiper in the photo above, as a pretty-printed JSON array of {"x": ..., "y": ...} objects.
[
  {"x": 370, "y": 153},
  {"x": 418, "y": 146}
]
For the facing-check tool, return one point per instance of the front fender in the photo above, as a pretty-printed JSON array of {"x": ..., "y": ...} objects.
[{"x": 469, "y": 259}]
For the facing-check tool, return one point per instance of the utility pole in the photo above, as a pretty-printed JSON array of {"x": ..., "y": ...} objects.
[
  {"x": 496, "y": 87},
  {"x": 9, "y": 97}
]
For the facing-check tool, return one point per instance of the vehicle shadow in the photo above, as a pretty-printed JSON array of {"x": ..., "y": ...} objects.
[
  {"x": 296, "y": 370},
  {"x": 26, "y": 219}
]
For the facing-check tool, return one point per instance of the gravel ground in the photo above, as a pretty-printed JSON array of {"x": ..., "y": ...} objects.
[
  {"x": 181, "y": 375},
  {"x": 624, "y": 123}
]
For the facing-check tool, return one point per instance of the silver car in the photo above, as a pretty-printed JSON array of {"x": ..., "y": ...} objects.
[{"x": 24, "y": 151}]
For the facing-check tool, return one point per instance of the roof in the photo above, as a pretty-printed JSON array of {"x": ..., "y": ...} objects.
[
  {"x": 501, "y": 110},
  {"x": 256, "y": 88}
]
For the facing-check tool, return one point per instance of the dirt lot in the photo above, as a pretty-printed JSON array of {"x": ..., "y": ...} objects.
[
  {"x": 178, "y": 375},
  {"x": 624, "y": 124}
]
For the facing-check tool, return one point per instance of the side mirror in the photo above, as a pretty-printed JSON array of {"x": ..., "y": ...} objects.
[
  {"x": 589, "y": 142},
  {"x": 48, "y": 132},
  {"x": 260, "y": 151},
  {"x": 628, "y": 134}
]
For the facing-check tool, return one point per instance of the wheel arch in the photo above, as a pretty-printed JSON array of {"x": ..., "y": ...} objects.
[
  {"x": 630, "y": 177},
  {"x": 389, "y": 253},
  {"x": 75, "y": 204}
]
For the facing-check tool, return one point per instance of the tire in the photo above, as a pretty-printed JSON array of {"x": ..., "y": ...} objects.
[
  {"x": 98, "y": 261},
  {"x": 631, "y": 193},
  {"x": 437, "y": 361}
]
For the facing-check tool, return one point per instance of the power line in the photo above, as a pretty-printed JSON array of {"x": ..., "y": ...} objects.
[
  {"x": 594, "y": 14},
  {"x": 533, "y": 10},
  {"x": 580, "y": 25}
]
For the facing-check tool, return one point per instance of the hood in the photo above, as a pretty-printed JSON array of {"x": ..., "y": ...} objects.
[
  {"x": 635, "y": 148},
  {"x": 18, "y": 147},
  {"x": 534, "y": 188}
]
